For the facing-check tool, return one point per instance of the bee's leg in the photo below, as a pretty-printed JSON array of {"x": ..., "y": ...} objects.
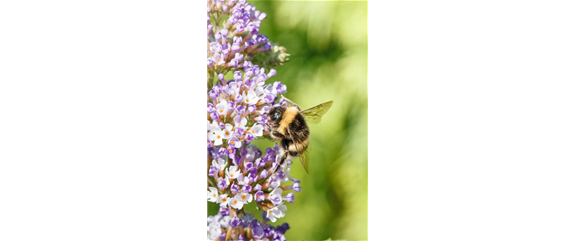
[
  {"x": 281, "y": 162},
  {"x": 277, "y": 135},
  {"x": 285, "y": 144},
  {"x": 284, "y": 152}
]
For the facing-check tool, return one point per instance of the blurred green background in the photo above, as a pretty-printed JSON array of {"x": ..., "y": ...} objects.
[{"x": 327, "y": 41}]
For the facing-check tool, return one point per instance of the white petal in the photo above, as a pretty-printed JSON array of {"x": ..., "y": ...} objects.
[
  {"x": 257, "y": 130},
  {"x": 218, "y": 142}
]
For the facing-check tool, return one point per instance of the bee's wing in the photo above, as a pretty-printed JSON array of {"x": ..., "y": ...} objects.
[
  {"x": 304, "y": 158},
  {"x": 313, "y": 114},
  {"x": 290, "y": 102}
]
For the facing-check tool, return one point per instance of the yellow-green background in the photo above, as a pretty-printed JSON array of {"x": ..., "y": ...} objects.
[
  {"x": 327, "y": 41},
  {"x": 471, "y": 121}
]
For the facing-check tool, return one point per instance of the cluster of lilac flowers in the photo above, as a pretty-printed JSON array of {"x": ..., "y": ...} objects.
[
  {"x": 240, "y": 173},
  {"x": 244, "y": 228},
  {"x": 249, "y": 178},
  {"x": 233, "y": 34},
  {"x": 234, "y": 104}
]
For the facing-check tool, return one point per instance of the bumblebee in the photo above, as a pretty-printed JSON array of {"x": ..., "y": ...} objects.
[{"x": 288, "y": 124}]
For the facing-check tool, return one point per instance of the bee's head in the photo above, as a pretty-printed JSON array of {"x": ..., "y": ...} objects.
[{"x": 275, "y": 115}]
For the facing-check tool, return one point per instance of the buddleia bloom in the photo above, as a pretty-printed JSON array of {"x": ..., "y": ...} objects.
[
  {"x": 220, "y": 227},
  {"x": 249, "y": 178},
  {"x": 233, "y": 38},
  {"x": 240, "y": 95}
]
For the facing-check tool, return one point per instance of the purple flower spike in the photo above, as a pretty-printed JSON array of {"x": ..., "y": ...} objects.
[{"x": 240, "y": 96}]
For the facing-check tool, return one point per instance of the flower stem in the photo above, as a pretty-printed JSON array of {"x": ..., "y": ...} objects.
[
  {"x": 211, "y": 182},
  {"x": 214, "y": 77}
]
